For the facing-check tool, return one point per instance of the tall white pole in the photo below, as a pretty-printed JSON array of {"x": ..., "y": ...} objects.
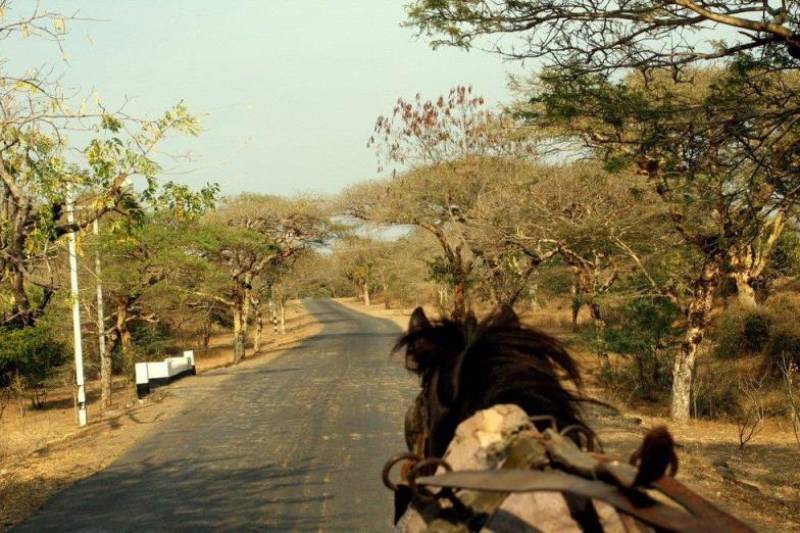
[{"x": 76, "y": 315}]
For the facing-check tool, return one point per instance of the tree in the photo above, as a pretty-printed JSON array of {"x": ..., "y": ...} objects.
[
  {"x": 719, "y": 154},
  {"x": 624, "y": 34},
  {"x": 744, "y": 122},
  {"x": 360, "y": 258},
  {"x": 40, "y": 172},
  {"x": 237, "y": 244},
  {"x": 454, "y": 147},
  {"x": 137, "y": 254},
  {"x": 578, "y": 215}
]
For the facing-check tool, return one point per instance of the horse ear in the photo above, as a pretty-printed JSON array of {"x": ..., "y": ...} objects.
[
  {"x": 418, "y": 321},
  {"x": 470, "y": 322},
  {"x": 506, "y": 316}
]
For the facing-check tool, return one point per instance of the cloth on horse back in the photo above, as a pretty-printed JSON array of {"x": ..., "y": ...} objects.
[{"x": 501, "y": 448}]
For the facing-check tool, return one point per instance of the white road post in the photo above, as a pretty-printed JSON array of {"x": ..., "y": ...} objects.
[{"x": 76, "y": 315}]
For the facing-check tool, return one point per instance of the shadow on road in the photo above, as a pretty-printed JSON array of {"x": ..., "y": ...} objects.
[{"x": 196, "y": 494}]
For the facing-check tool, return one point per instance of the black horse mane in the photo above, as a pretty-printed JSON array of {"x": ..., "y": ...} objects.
[{"x": 466, "y": 366}]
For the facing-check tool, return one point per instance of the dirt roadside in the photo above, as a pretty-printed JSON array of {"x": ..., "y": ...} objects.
[
  {"x": 42, "y": 451},
  {"x": 760, "y": 484}
]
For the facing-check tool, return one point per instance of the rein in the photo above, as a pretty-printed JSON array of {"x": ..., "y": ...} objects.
[{"x": 551, "y": 462}]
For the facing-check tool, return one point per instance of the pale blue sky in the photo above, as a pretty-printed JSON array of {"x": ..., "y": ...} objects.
[{"x": 287, "y": 90}]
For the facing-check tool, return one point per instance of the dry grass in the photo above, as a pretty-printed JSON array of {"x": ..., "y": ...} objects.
[{"x": 43, "y": 451}]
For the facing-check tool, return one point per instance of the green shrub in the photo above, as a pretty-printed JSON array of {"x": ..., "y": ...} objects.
[
  {"x": 644, "y": 332},
  {"x": 755, "y": 331},
  {"x": 31, "y": 353},
  {"x": 627, "y": 383},
  {"x": 741, "y": 332},
  {"x": 783, "y": 349},
  {"x": 785, "y": 258},
  {"x": 716, "y": 394},
  {"x": 152, "y": 341}
]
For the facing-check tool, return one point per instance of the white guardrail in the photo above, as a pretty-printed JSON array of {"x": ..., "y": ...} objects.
[{"x": 155, "y": 374}]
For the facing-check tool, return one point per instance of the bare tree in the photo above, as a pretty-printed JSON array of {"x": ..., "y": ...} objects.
[{"x": 750, "y": 421}]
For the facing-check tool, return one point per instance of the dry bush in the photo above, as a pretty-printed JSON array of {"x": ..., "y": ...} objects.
[
  {"x": 750, "y": 421},
  {"x": 716, "y": 392}
]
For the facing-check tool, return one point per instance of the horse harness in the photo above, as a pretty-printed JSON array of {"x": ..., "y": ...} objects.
[{"x": 551, "y": 461}]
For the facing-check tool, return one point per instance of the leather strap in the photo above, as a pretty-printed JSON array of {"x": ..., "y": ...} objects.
[{"x": 634, "y": 503}]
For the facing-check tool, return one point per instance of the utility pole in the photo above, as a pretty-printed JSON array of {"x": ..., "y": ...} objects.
[
  {"x": 76, "y": 314},
  {"x": 105, "y": 360}
]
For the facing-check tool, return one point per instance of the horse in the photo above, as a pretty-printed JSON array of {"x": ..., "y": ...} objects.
[{"x": 497, "y": 441}]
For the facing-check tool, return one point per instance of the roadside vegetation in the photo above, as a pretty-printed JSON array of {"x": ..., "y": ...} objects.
[{"x": 162, "y": 267}]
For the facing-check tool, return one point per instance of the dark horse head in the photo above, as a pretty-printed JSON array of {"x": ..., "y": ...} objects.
[{"x": 466, "y": 366}]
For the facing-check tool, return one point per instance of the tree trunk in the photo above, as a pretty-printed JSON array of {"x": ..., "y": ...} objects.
[
  {"x": 246, "y": 307},
  {"x": 745, "y": 292},
  {"x": 366, "y": 294},
  {"x": 576, "y": 309},
  {"x": 259, "y": 329},
  {"x": 748, "y": 260},
  {"x": 105, "y": 353},
  {"x": 126, "y": 345},
  {"x": 238, "y": 334},
  {"x": 205, "y": 335},
  {"x": 21, "y": 306},
  {"x": 124, "y": 335},
  {"x": 599, "y": 330},
  {"x": 385, "y": 296},
  {"x": 283, "y": 317},
  {"x": 697, "y": 320},
  {"x": 105, "y": 378}
]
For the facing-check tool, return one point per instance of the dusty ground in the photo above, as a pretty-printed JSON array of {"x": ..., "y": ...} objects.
[
  {"x": 760, "y": 484},
  {"x": 42, "y": 451}
]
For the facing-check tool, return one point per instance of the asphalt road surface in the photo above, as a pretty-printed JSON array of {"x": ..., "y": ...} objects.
[{"x": 292, "y": 445}]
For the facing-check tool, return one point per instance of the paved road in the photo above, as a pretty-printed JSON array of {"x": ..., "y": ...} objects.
[{"x": 293, "y": 445}]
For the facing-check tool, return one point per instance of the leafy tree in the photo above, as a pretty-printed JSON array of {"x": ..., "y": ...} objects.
[
  {"x": 36, "y": 179},
  {"x": 137, "y": 255},
  {"x": 29, "y": 355},
  {"x": 237, "y": 245},
  {"x": 727, "y": 181},
  {"x": 41, "y": 172},
  {"x": 646, "y": 333},
  {"x": 614, "y": 75},
  {"x": 577, "y": 214},
  {"x": 453, "y": 147},
  {"x": 359, "y": 258}
]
